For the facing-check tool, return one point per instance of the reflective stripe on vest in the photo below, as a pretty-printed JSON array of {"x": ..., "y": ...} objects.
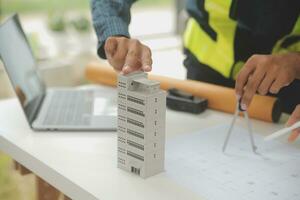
[
  {"x": 218, "y": 54},
  {"x": 289, "y": 43}
]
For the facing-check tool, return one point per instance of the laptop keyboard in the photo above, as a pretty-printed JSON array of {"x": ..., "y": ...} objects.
[{"x": 70, "y": 108}]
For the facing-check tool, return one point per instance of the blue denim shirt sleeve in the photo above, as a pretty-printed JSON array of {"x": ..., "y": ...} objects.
[{"x": 110, "y": 18}]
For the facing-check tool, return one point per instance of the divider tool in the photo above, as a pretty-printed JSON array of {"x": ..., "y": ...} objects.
[{"x": 237, "y": 111}]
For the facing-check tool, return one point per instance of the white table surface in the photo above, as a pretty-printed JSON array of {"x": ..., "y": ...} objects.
[{"x": 83, "y": 165}]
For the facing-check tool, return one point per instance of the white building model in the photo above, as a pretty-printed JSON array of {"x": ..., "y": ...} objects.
[{"x": 141, "y": 125}]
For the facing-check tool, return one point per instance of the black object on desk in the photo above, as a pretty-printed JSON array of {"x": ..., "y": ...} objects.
[{"x": 182, "y": 101}]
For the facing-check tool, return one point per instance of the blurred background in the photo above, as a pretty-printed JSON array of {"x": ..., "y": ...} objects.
[{"x": 63, "y": 41}]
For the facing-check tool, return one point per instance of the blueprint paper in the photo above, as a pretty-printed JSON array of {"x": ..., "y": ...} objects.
[{"x": 196, "y": 162}]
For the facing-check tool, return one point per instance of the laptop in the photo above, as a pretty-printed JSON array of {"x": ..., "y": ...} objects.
[{"x": 60, "y": 109}]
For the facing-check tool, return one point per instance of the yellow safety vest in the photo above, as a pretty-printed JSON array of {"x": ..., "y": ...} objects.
[{"x": 219, "y": 53}]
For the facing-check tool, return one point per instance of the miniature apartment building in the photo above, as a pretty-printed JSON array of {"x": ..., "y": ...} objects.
[{"x": 141, "y": 125}]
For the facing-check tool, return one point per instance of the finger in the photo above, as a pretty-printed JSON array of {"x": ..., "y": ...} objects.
[
  {"x": 279, "y": 82},
  {"x": 292, "y": 120},
  {"x": 146, "y": 60},
  {"x": 252, "y": 86},
  {"x": 128, "y": 69},
  {"x": 133, "y": 59},
  {"x": 266, "y": 83},
  {"x": 244, "y": 74},
  {"x": 294, "y": 135},
  {"x": 295, "y": 116},
  {"x": 110, "y": 46},
  {"x": 118, "y": 59}
]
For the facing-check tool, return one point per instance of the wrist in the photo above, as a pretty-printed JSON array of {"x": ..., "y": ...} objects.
[{"x": 117, "y": 36}]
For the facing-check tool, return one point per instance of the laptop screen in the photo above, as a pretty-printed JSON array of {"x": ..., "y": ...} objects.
[{"x": 20, "y": 66}]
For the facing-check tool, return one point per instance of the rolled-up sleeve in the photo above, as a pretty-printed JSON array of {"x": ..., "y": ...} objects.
[{"x": 110, "y": 18}]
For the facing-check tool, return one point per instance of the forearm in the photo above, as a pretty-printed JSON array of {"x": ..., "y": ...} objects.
[{"x": 110, "y": 18}]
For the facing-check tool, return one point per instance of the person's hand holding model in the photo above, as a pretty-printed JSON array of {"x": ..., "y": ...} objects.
[
  {"x": 127, "y": 55},
  {"x": 268, "y": 74}
]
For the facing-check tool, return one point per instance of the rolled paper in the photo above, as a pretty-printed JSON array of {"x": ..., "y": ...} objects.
[{"x": 220, "y": 98}]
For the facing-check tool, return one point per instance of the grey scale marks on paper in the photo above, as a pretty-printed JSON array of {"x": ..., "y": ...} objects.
[{"x": 196, "y": 162}]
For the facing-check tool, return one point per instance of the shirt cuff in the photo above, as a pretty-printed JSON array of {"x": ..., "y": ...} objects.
[{"x": 107, "y": 27}]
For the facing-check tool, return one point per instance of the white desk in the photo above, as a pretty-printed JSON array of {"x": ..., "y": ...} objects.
[{"x": 84, "y": 165}]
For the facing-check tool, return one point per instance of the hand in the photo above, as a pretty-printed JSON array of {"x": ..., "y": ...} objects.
[
  {"x": 127, "y": 55},
  {"x": 266, "y": 73},
  {"x": 295, "y": 117}
]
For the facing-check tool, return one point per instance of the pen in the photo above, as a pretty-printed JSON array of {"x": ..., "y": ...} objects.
[{"x": 282, "y": 132}]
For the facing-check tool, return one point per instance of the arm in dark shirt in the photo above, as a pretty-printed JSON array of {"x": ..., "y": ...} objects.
[{"x": 110, "y": 18}]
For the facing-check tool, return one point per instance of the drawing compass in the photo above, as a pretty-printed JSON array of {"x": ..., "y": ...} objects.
[{"x": 236, "y": 114}]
